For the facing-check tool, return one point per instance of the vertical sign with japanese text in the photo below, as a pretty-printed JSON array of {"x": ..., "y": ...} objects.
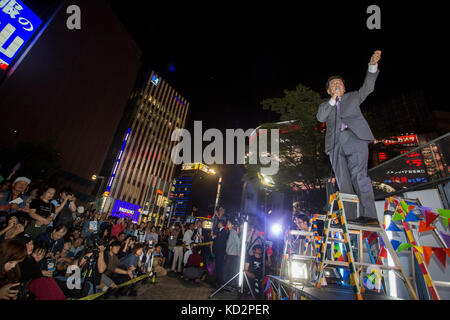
[{"x": 17, "y": 26}]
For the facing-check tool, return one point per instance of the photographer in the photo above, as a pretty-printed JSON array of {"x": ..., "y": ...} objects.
[
  {"x": 54, "y": 239},
  {"x": 127, "y": 246},
  {"x": 141, "y": 233},
  {"x": 131, "y": 260},
  {"x": 65, "y": 207},
  {"x": 36, "y": 283},
  {"x": 12, "y": 252},
  {"x": 91, "y": 230},
  {"x": 110, "y": 268},
  {"x": 12, "y": 230}
]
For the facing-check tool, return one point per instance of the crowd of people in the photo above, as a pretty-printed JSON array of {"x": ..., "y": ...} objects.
[{"x": 48, "y": 239}]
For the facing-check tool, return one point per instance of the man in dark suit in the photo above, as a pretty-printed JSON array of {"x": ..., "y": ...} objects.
[
  {"x": 347, "y": 138},
  {"x": 219, "y": 250}
]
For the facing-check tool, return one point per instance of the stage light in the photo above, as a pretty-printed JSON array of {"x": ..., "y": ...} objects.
[
  {"x": 243, "y": 250},
  {"x": 277, "y": 229},
  {"x": 299, "y": 270}
]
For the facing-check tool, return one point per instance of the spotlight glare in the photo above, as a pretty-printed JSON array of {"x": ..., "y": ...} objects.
[{"x": 276, "y": 228}]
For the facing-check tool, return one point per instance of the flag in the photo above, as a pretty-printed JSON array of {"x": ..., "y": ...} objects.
[
  {"x": 423, "y": 227},
  {"x": 441, "y": 254},
  {"x": 373, "y": 237},
  {"x": 424, "y": 210},
  {"x": 383, "y": 253},
  {"x": 393, "y": 227},
  {"x": 397, "y": 216},
  {"x": 411, "y": 217},
  {"x": 445, "y": 215},
  {"x": 404, "y": 246},
  {"x": 446, "y": 238},
  {"x": 427, "y": 251},
  {"x": 430, "y": 217},
  {"x": 395, "y": 244}
]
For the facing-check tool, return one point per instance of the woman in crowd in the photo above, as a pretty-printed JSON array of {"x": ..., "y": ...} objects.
[
  {"x": 12, "y": 252},
  {"x": 42, "y": 213},
  {"x": 12, "y": 230}
]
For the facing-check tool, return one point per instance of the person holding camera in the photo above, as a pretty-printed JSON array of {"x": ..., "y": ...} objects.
[
  {"x": 12, "y": 252},
  {"x": 110, "y": 267},
  {"x": 12, "y": 230},
  {"x": 65, "y": 207}
]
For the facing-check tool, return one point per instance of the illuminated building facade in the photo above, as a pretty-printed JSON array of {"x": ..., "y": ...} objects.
[
  {"x": 139, "y": 168},
  {"x": 195, "y": 192}
]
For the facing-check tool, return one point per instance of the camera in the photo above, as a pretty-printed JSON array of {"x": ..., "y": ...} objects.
[{"x": 24, "y": 292}]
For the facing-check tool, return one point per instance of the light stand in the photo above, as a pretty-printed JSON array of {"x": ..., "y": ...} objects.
[{"x": 241, "y": 272}]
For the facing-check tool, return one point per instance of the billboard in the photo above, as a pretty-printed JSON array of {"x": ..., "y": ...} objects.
[
  {"x": 17, "y": 26},
  {"x": 124, "y": 209}
]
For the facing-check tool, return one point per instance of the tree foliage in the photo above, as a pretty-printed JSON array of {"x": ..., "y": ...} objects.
[{"x": 302, "y": 157}]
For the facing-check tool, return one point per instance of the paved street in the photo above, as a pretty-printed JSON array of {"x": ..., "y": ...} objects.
[{"x": 172, "y": 287}]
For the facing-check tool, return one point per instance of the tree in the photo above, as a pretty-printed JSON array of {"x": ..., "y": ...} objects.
[{"x": 302, "y": 157}]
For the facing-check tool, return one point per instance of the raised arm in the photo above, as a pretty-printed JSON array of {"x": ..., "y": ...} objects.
[{"x": 371, "y": 76}]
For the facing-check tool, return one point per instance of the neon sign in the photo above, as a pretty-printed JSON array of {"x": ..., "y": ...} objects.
[
  {"x": 108, "y": 188},
  {"x": 17, "y": 25},
  {"x": 124, "y": 209}
]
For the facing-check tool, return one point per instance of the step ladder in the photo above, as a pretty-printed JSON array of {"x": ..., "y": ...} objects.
[{"x": 345, "y": 230}]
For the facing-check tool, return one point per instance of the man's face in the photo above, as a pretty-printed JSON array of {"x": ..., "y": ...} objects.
[
  {"x": 56, "y": 235},
  {"x": 139, "y": 252},
  {"x": 20, "y": 186},
  {"x": 158, "y": 249},
  {"x": 78, "y": 242},
  {"x": 121, "y": 237},
  {"x": 67, "y": 245},
  {"x": 115, "y": 249},
  {"x": 48, "y": 194},
  {"x": 257, "y": 252},
  {"x": 302, "y": 225},
  {"x": 336, "y": 84}
]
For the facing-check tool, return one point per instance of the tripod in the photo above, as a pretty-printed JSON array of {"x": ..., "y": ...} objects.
[
  {"x": 241, "y": 272},
  {"x": 90, "y": 270},
  {"x": 241, "y": 289}
]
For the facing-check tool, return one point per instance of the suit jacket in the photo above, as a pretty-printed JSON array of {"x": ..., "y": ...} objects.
[
  {"x": 220, "y": 242},
  {"x": 350, "y": 114}
]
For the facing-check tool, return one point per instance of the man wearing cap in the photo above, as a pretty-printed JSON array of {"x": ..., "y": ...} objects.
[
  {"x": 347, "y": 139},
  {"x": 14, "y": 200}
]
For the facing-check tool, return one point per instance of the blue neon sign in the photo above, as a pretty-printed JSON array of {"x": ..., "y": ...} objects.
[
  {"x": 124, "y": 209},
  {"x": 17, "y": 25},
  {"x": 108, "y": 188}
]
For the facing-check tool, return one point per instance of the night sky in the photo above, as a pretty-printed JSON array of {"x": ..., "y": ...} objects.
[{"x": 226, "y": 59}]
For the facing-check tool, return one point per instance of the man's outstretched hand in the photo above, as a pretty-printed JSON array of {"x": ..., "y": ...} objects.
[{"x": 375, "y": 57}]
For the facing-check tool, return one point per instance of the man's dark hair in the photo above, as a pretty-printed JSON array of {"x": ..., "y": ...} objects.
[
  {"x": 115, "y": 243},
  {"x": 332, "y": 78},
  {"x": 257, "y": 247},
  {"x": 67, "y": 239},
  {"x": 59, "y": 227},
  {"x": 303, "y": 217},
  {"x": 66, "y": 190}
]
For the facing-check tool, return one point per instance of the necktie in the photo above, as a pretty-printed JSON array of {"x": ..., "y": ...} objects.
[{"x": 338, "y": 105}]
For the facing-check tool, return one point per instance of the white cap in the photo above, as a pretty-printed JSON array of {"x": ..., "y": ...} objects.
[
  {"x": 80, "y": 209},
  {"x": 25, "y": 179}
]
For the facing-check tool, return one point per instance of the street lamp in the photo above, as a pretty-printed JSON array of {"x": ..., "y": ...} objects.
[{"x": 95, "y": 178}]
